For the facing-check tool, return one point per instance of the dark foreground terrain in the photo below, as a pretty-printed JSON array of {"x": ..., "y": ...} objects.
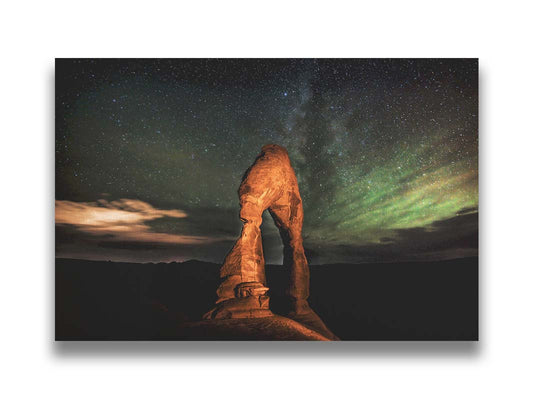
[{"x": 406, "y": 301}]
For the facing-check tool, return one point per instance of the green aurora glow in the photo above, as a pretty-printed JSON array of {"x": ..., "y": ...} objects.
[{"x": 383, "y": 150}]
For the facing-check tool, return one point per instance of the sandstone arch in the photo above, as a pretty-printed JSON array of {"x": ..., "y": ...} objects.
[{"x": 269, "y": 184}]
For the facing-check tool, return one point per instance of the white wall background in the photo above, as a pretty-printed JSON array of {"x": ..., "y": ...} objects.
[{"x": 34, "y": 33}]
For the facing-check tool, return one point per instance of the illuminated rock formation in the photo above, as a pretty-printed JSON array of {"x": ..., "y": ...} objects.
[{"x": 270, "y": 183}]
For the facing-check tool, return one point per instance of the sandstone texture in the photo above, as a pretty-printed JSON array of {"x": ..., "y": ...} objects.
[
  {"x": 269, "y": 184},
  {"x": 268, "y": 328}
]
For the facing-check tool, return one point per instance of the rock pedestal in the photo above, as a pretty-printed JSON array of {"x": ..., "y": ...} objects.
[{"x": 250, "y": 301}]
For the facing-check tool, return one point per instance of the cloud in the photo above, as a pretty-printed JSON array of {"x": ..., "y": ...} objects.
[{"x": 121, "y": 220}]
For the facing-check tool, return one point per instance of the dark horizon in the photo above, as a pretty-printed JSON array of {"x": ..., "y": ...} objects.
[
  {"x": 268, "y": 264},
  {"x": 150, "y": 153}
]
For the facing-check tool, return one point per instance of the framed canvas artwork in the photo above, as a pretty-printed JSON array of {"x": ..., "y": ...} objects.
[{"x": 266, "y": 199}]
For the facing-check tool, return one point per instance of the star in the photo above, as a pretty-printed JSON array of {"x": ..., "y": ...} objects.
[{"x": 380, "y": 147}]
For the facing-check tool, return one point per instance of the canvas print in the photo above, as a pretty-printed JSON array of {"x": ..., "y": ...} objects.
[{"x": 266, "y": 199}]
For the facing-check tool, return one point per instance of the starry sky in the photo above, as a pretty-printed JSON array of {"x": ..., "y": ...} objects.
[{"x": 150, "y": 153}]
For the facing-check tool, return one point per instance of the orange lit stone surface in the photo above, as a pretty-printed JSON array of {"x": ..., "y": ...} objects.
[
  {"x": 268, "y": 328},
  {"x": 269, "y": 184}
]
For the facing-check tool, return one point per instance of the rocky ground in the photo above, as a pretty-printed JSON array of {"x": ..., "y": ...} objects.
[{"x": 98, "y": 300}]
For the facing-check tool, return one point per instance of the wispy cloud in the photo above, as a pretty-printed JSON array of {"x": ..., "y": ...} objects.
[{"x": 123, "y": 220}]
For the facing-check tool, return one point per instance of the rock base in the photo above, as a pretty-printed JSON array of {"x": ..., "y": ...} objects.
[
  {"x": 251, "y": 301},
  {"x": 272, "y": 328}
]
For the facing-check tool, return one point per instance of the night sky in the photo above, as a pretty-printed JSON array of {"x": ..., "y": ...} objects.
[{"x": 150, "y": 154}]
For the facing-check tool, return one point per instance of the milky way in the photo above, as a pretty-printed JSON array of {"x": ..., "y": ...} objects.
[{"x": 385, "y": 151}]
